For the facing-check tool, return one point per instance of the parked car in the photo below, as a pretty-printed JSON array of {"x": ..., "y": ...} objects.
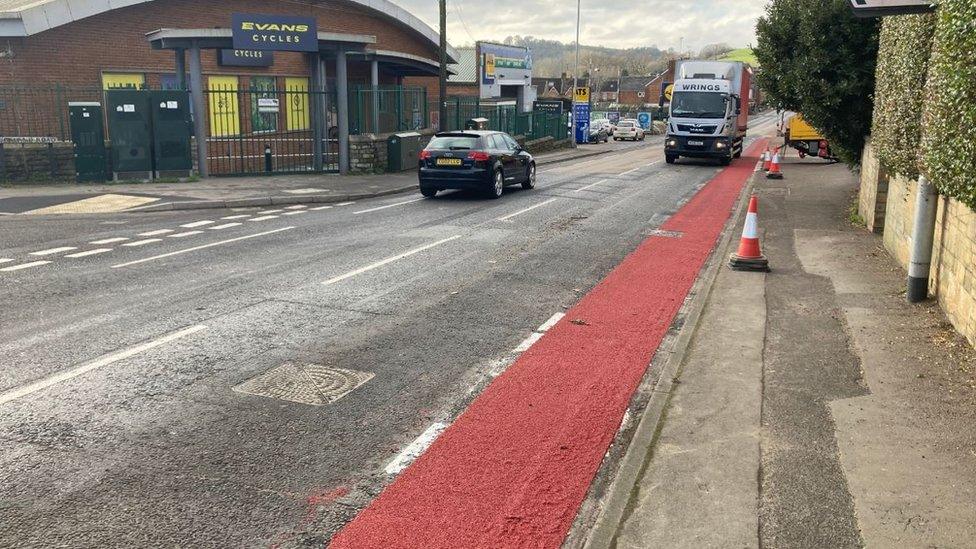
[
  {"x": 474, "y": 159},
  {"x": 599, "y": 134},
  {"x": 604, "y": 123},
  {"x": 629, "y": 129}
]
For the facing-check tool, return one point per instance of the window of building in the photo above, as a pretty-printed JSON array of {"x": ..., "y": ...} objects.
[
  {"x": 296, "y": 93},
  {"x": 122, "y": 80},
  {"x": 264, "y": 117},
  {"x": 224, "y": 106}
]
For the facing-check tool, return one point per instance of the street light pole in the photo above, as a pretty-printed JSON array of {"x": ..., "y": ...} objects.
[
  {"x": 576, "y": 71},
  {"x": 442, "y": 91}
]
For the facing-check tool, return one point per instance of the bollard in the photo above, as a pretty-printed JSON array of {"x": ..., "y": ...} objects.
[{"x": 268, "y": 167}]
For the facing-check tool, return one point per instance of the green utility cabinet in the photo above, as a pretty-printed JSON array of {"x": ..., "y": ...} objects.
[
  {"x": 130, "y": 128},
  {"x": 171, "y": 133},
  {"x": 402, "y": 151},
  {"x": 88, "y": 136}
]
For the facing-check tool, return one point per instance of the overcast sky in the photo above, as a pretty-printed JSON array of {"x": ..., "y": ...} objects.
[{"x": 616, "y": 23}]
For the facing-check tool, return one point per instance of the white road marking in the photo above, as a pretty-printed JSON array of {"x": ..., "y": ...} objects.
[
  {"x": 345, "y": 204},
  {"x": 196, "y": 224},
  {"x": 296, "y": 212},
  {"x": 225, "y": 226},
  {"x": 591, "y": 185},
  {"x": 59, "y": 377},
  {"x": 321, "y": 208},
  {"x": 628, "y": 172},
  {"x": 23, "y": 266},
  {"x": 156, "y": 233},
  {"x": 528, "y": 342},
  {"x": 551, "y": 322},
  {"x": 415, "y": 449},
  {"x": 184, "y": 235},
  {"x": 5, "y": 260},
  {"x": 55, "y": 250},
  {"x": 296, "y": 207},
  {"x": 195, "y": 248},
  {"x": 242, "y": 216},
  {"x": 138, "y": 243},
  {"x": 264, "y": 218},
  {"x": 388, "y": 206},
  {"x": 89, "y": 252},
  {"x": 108, "y": 241},
  {"x": 388, "y": 260},
  {"x": 269, "y": 211},
  {"x": 539, "y": 205}
]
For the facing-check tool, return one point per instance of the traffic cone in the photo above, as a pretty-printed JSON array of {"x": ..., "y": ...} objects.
[
  {"x": 750, "y": 256},
  {"x": 774, "y": 171},
  {"x": 766, "y": 159}
]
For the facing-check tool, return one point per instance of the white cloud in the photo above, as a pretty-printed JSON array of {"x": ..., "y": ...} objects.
[{"x": 616, "y": 23}]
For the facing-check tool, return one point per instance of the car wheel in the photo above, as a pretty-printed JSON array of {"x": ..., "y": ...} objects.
[
  {"x": 670, "y": 158},
  {"x": 428, "y": 192},
  {"x": 497, "y": 185},
  {"x": 529, "y": 182}
]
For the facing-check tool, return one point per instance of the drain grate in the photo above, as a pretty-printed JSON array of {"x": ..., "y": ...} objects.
[{"x": 311, "y": 384}]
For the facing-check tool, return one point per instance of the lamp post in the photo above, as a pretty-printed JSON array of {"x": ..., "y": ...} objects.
[{"x": 576, "y": 71}]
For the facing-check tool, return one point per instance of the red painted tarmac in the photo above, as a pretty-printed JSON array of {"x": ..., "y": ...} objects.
[{"x": 514, "y": 468}]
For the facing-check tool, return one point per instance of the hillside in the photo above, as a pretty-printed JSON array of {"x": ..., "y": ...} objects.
[
  {"x": 746, "y": 55},
  {"x": 552, "y": 58}
]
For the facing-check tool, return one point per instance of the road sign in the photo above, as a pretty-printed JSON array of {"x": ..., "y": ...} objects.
[
  {"x": 581, "y": 94},
  {"x": 581, "y": 121},
  {"x": 644, "y": 119},
  {"x": 613, "y": 117},
  {"x": 882, "y": 8}
]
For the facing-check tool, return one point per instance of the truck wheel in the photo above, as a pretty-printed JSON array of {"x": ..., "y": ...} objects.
[
  {"x": 725, "y": 160},
  {"x": 670, "y": 158},
  {"x": 738, "y": 154}
]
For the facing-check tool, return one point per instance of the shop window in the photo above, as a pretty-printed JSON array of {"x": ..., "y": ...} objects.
[
  {"x": 298, "y": 103},
  {"x": 225, "y": 117},
  {"x": 263, "y": 117},
  {"x": 121, "y": 80}
]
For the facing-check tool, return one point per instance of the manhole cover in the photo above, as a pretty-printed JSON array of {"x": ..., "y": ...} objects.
[{"x": 311, "y": 384}]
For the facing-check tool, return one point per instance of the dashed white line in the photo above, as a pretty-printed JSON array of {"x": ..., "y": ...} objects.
[
  {"x": 320, "y": 208},
  {"x": 89, "y": 252},
  {"x": 520, "y": 212},
  {"x": 388, "y": 206},
  {"x": 345, "y": 204},
  {"x": 138, "y": 243},
  {"x": 156, "y": 233},
  {"x": 23, "y": 266},
  {"x": 196, "y": 224},
  {"x": 109, "y": 241},
  {"x": 242, "y": 216},
  {"x": 264, "y": 218},
  {"x": 628, "y": 172},
  {"x": 5, "y": 260},
  {"x": 269, "y": 211},
  {"x": 551, "y": 322},
  {"x": 54, "y": 251},
  {"x": 296, "y": 207},
  {"x": 591, "y": 185},
  {"x": 59, "y": 377},
  {"x": 296, "y": 212},
  {"x": 225, "y": 226},
  {"x": 184, "y": 235},
  {"x": 195, "y": 248},
  {"x": 415, "y": 449},
  {"x": 389, "y": 260},
  {"x": 529, "y": 342}
]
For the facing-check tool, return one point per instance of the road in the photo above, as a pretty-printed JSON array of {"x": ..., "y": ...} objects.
[{"x": 255, "y": 377}]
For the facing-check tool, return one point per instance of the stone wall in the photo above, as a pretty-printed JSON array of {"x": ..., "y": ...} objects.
[
  {"x": 953, "y": 276},
  {"x": 37, "y": 162},
  {"x": 368, "y": 152},
  {"x": 874, "y": 190}
]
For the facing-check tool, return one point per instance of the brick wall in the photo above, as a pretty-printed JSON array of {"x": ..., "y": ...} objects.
[{"x": 874, "y": 190}]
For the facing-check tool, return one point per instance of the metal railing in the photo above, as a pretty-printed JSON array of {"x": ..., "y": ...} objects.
[
  {"x": 41, "y": 111},
  {"x": 387, "y": 109}
]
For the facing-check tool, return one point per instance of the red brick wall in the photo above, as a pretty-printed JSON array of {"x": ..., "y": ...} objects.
[{"x": 76, "y": 54}]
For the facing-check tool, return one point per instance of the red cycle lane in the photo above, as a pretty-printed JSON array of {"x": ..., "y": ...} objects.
[{"x": 514, "y": 468}]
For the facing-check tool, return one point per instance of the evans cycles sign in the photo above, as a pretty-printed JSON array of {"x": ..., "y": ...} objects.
[{"x": 274, "y": 33}]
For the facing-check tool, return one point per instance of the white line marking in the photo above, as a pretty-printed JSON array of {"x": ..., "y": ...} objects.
[
  {"x": 296, "y": 212},
  {"x": 591, "y": 185},
  {"x": 264, "y": 218},
  {"x": 415, "y": 449},
  {"x": 108, "y": 241},
  {"x": 5, "y": 260},
  {"x": 23, "y": 266},
  {"x": 551, "y": 322},
  {"x": 156, "y": 233},
  {"x": 539, "y": 205},
  {"x": 138, "y": 243},
  {"x": 89, "y": 252},
  {"x": 269, "y": 211},
  {"x": 184, "y": 235},
  {"x": 528, "y": 342},
  {"x": 296, "y": 207},
  {"x": 345, "y": 204},
  {"x": 242, "y": 216},
  {"x": 54, "y": 250},
  {"x": 388, "y": 260},
  {"x": 321, "y": 208},
  {"x": 195, "y": 248},
  {"x": 388, "y": 206},
  {"x": 196, "y": 224},
  {"x": 628, "y": 172},
  {"x": 225, "y": 226},
  {"x": 59, "y": 377}
]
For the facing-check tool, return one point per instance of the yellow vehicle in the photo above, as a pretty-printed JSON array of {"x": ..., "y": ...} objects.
[{"x": 803, "y": 137}]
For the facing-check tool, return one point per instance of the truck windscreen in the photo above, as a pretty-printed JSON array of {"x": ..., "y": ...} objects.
[{"x": 699, "y": 105}]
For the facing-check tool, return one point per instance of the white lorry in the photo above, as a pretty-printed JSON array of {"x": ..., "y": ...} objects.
[{"x": 709, "y": 110}]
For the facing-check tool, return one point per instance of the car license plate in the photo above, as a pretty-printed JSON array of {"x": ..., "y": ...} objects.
[
  {"x": 448, "y": 161},
  {"x": 695, "y": 143}
]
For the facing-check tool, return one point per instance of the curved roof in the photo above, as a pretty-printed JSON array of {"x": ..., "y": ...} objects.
[{"x": 27, "y": 17}]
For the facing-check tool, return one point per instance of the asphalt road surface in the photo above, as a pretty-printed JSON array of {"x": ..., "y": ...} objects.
[{"x": 255, "y": 377}]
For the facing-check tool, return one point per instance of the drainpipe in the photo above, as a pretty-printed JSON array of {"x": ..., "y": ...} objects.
[{"x": 923, "y": 239}]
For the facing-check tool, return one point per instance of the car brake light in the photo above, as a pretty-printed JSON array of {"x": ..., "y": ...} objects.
[
  {"x": 424, "y": 155},
  {"x": 478, "y": 156}
]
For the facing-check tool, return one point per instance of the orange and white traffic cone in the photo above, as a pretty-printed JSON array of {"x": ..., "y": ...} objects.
[
  {"x": 766, "y": 159},
  {"x": 750, "y": 256},
  {"x": 774, "y": 170}
]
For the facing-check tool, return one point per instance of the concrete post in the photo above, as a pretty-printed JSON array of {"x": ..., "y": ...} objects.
[
  {"x": 318, "y": 115},
  {"x": 923, "y": 238},
  {"x": 374, "y": 80},
  {"x": 199, "y": 109},
  {"x": 342, "y": 97},
  {"x": 180, "y": 66}
]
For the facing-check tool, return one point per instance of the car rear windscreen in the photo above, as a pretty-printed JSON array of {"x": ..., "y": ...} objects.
[{"x": 454, "y": 143}]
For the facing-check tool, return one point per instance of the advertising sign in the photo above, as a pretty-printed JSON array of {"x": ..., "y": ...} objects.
[
  {"x": 274, "y": 32},
  {"x": 614, "y": 117},
  {"x": 882, "y": 8},
  {"x": 581, "y": 95},
  {"x": 552, "y": 107},
  {"x": 581, "y": 121},
  {"x": 504, "y": 63},
  {"x": 268, "y": 104},
  {"x": 645, "y": 119},
  {"x": 245, "y": 58}
]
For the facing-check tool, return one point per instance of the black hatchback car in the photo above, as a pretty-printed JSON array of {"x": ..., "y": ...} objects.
[{"x": 486, "y": 161}]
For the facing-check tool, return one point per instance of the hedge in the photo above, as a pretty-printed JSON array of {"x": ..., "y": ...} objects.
[
  {"x": 949, "y": 121},
  {"x": 903, "y": 60}
]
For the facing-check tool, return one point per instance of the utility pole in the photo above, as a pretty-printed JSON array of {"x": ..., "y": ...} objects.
[
  {"x": 576, "y": 71},
  {"x": 442, "y": 92}
]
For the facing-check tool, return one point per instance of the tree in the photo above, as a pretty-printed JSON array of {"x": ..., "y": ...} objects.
[
  {"x": 819, "y": 60},
  {"x": 713, "y": 51}
]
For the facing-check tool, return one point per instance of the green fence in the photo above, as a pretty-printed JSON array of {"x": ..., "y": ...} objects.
[
  {"x": 387, "y": 109},
  {"x": 505, "y": 118}
]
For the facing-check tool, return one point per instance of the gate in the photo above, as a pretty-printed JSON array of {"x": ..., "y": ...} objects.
[{"x": 268, "y": 130}]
